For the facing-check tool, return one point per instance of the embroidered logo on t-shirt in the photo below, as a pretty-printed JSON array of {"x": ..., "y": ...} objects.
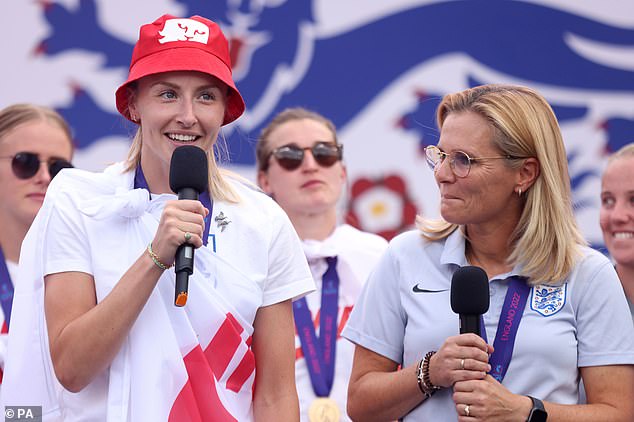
[
  {"x": 418, "y": 289},
  {"x": 548, "y": 300}
]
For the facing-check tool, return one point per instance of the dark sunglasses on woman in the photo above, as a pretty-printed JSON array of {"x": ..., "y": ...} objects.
[
  {"x": 26, "y": 164},
  {"x": 290, "y": 157}
]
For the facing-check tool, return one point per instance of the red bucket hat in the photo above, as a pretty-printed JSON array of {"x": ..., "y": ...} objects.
[{"x": 171, "y": 44}]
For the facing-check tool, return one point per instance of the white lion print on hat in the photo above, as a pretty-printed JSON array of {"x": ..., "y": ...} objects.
[{"x": 184, "y": 30}]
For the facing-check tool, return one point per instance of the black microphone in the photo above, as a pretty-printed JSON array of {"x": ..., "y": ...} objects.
[
  {"x": 470, "y": 297},
  {"x": 188, "y": 178}
]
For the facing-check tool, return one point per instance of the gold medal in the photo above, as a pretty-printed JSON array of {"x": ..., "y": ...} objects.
[{"x": 324, "y": 409}]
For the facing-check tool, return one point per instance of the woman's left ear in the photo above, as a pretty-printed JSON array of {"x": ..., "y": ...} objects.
[
  {"x": 263, "y": 182},
  {"x": 529, "y": 172}
]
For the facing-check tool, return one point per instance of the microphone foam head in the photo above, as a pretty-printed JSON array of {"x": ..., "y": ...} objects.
[
  {"x": 470, "y": 291},
  {"x": 189, "y": 169}
]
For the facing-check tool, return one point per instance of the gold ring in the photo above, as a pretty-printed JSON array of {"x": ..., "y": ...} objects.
[
  {"x": 188, "y": 236},
  {"x": 462, "y": 364},
  {"x": 466, "y": 410}
]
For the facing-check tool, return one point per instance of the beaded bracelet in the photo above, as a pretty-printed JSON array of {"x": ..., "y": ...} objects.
[
  {"x": 156, "y": 259},
  {"x": 422, "y": 376}
]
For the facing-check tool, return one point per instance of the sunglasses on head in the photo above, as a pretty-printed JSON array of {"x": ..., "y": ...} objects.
[
  {"x": 26, "y": 164},
  {"x": 290, "y": 157}
]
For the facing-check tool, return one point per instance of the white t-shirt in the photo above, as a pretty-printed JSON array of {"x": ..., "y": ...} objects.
[
  {"x": 356, "y": 252},
  {"x": 255, "y": 261},
  {"x": 585, "y": 322}
]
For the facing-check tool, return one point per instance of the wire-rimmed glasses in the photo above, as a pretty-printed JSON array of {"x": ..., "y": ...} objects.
[{"x": 459, "y": 161}]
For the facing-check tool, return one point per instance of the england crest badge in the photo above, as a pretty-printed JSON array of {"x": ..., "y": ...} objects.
[{"x": 548, "y": 300}]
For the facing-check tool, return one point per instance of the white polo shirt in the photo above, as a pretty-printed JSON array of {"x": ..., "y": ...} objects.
[
  {"x": 584, "y": 323},
  {"x": 357, "y": 254}
]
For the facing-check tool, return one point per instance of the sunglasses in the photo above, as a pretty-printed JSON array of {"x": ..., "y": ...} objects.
[
  {"x": 290, "y": 157},
  {"x": 459, "y": 161},
  {"x": 26, "y": 164}
]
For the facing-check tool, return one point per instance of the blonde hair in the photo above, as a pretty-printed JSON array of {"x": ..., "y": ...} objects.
[
  {"x": 17, "y": 114},
  {"x": 623, "y": 152},
  {"x": 546, "y": 240},
  {"x": 262, "y": 151}
]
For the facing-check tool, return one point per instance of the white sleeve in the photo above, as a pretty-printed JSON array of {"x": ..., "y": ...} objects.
[
  {"x": 289, "y": 276},
  {"x": 65, "y": 242},
  {"x": 377, "y": 321},
  {"x": 604, "y": 324}
]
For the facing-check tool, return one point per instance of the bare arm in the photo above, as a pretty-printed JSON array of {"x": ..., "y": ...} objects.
[
  {"x": 84, "y": 336},
  {"x": 275, "y": 397},
  {"x": 609, "y": 392},
  {"x": 377, "y": 391}
]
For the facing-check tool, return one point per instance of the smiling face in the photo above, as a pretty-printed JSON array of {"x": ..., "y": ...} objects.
[
  {"x": 22, "y": 198},
  {"x": 175, "y": 109},
  {"x": 617, "y": 209},
  {"x": 311, "y": 188},
  {"x": 487, "y": 194}
]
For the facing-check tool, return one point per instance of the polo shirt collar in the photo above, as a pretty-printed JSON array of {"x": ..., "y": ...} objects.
[{"x": 453, "y": 253}]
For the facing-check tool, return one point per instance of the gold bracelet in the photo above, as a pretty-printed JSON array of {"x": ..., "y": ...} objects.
[{"x": 156, "y": 259}]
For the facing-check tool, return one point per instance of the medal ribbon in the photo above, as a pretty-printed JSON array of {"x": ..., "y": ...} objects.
[
  {"x": 141, "y": 183},
  {"x": 320, "y": 355},
  {"x": 512, "y": 311},
  {"x": 6, "y": 289}
]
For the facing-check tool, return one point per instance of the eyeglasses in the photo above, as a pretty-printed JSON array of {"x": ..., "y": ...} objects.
[
  {"x": 459, "y": 161},
  {"x": 290, "y": 157},
  {"x": 26, "y": 164}
]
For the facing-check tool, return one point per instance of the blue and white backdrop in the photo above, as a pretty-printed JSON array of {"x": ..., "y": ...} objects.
[{"x": 376, "y": 67}]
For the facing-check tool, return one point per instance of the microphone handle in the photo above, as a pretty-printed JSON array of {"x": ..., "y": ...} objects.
[
  {"x": 184, "y": 267},
  {"x": 184, "y": 259},
  {"x": 470, "y": 324}
]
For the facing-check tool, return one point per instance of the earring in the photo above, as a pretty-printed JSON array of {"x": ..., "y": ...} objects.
[
  {"x": 519, "y": 192},
  {"x": 134, "y": 118}
]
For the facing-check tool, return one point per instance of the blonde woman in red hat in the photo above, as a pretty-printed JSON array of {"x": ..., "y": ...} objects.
[{"x": 109, "y": 342}]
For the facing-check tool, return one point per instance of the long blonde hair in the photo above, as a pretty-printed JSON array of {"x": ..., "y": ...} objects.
[{"x": 546, "y": 240}]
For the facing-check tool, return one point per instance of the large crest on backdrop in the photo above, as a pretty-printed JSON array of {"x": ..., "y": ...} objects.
[{"x": 376, "y": 68}]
